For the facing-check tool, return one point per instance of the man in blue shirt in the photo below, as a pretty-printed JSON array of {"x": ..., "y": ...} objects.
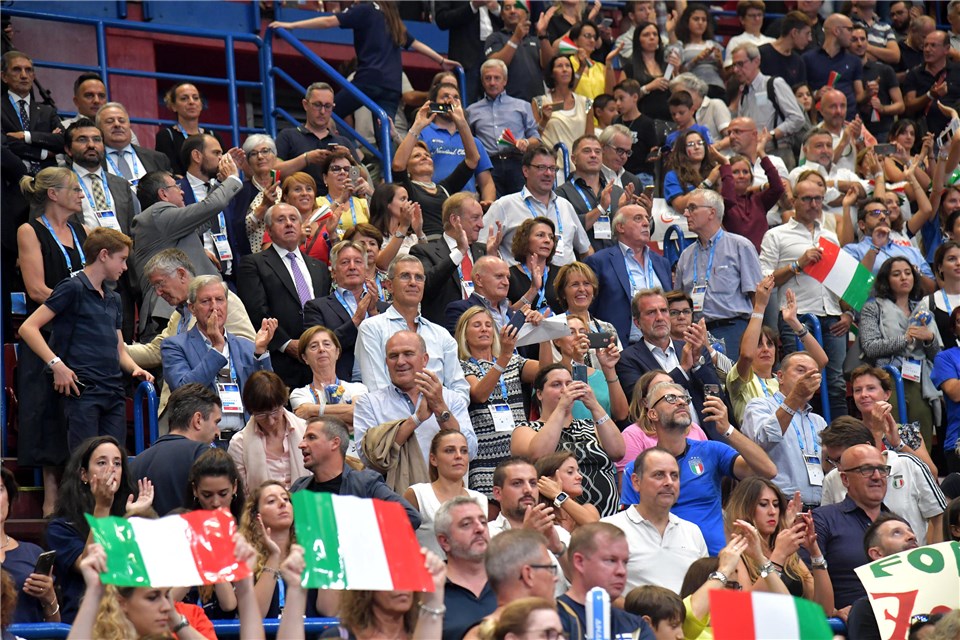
[{"x": 834, "y": 57}]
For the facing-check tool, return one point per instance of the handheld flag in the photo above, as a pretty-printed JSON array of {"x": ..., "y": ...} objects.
[
  {"x": 842, "y": 275},
  {"x": 754, "y": 615}
]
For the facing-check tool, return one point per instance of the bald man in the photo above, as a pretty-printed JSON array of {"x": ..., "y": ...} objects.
[
  {"x": 834, "y": 56},
  {"x": 491, "y": 282}
]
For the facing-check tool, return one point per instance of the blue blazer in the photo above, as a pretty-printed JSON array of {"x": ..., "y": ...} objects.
[
  {"x": 187, "y": 358},
  {"x": 612, "y": 301}
]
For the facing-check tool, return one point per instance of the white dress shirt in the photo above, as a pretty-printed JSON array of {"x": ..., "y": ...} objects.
[{"x": 89, "y": 218}]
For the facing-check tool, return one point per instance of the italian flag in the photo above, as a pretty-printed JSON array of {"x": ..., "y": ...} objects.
[
  {"x": 358, "y": 543},
  {"x": 842, "y": 275},
  {"x": 507, "y": 139},
  {"x": 176, "y": 551},
  {"x": 522, "y": 4},
  {"x": 755, "y": 615},
  {"x": 567, "y": 46}
]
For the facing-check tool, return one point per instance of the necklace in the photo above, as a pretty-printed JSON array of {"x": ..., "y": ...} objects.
[
  {"x": 6, "y": 541},
  {"x": 431, "y": 186}
]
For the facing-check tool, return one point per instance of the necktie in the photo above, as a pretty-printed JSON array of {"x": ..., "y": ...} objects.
[
  {"x": 122, "y": 164},
  {"x": 99, "y": 198},
  {"x": 24, "y": 115},
  {"x": 467, "y": 266},
  {"x": 303, "y": 291}
]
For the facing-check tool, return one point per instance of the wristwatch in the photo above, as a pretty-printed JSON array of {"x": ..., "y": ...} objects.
[
  {"x": 443, "y": 417},
  {"x": 818, "y": 563},
  {"x": 180, "y": 625},
  {"x": 560, "y": 499},
  {"x": 767, "y": 569},
  {"x": 716, "y": 575}
]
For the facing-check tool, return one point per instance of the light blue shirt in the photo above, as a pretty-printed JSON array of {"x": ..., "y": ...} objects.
[
  {"x": 488, "y": 118},
  {"x": 390, "y": 403},
  {"x": 891, "y": 250},
  {"x": 733, "y": 275},
  {"x": 640, "y": 276},
  {"x": 371, "y": 351}
]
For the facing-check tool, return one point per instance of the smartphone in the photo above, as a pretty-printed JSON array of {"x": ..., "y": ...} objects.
[
  {"x": 711, "y": 390},
  {"x": 80, "y": 387},
  {"x": 517, "y": 320},
  {"x": 648, "y": 190},
  {"x": 556, "y": 105},
  {"x": 45, "y": 563},
  {"x": 885, "y": 149},
  {"x": 354, "y": 173},
  {"x": 579, "y": 372},
  {"x": 606, "y": 23},
  {"x": 440, "y": 107},
  {"x": 599, "y": 339}
]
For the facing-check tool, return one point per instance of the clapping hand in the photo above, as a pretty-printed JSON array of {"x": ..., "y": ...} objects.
[{"x": 142, "y": 505}]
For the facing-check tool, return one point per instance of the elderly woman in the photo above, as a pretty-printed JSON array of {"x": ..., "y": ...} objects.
[
  {"x": 266, "y": 448},
  {"x": 710, "y": 112},
  {"x": 184, "y": 100},
  {"x": 532, "y": 278}
]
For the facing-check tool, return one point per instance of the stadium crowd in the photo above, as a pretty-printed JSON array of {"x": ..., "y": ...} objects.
[{"x": 497, "y": 344}]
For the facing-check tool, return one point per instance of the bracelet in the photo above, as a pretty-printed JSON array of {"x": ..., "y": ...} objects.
[
  {"x": 729, "y": 431},
  {"x": 442, "y": 60},
  {"x": 55, "y": 360},
  {"x": 543, "y": 37},
  {"x": 611, "y": 381},
  {"x": 496, "y": 365},
  {"x": 512, "y": 44},
  {"x": 777, "y": 565},
  {"x": 399, "y": 234},
  {"x": 524, "y": 300},
  {"x": 900, "y": 446},
  {"x": 434, "y": 612},
  {"x": 275, "y": 572},
  {"x": 182, "y": 624},
  {"x": 803, "y": 332},
  {"x": 786, "y": 409},
  {"x": 758, "y": 316},
  {"x": 52, "y": 613},
  {"x": 602, "y": 420},
  {"x": 795, "y": 267}
]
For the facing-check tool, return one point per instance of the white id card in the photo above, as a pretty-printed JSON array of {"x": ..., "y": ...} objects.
[
  {"x": 910, "y": 369},
  {"x": 230, "y": 397},
  {"x": 223, "y": 246},
  {"x": 698, "y": 294},
  {"x": 108, "y": 219},
  {"x": 502, "y": 418},
  {"x": 814, "y": 470},
  {"x": 467, "y": 287},
  {"x": 560, "y": 247},
  {"x": 601, "y": 228}
]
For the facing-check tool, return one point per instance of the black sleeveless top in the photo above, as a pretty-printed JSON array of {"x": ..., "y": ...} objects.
[{"x": 55, "y": 266}]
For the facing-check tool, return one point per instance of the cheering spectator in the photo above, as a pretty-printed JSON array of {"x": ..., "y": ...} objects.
[
  {"x": 573, "y": 349},
  {"x": 185, "y": 101},
  {"x": 561, "y": 114},
  {"x": 577, "y": 286},
  {"x": 561, "y": 485},
  {"x": 884, "y": 98},
  {"x": 747, "y": 210},
  {"x": 398, "y": 220},
  {"x": 701, "y": 55},
  {"x": 882, "y": 42},
  {"x": 345, "y": 192},
  {"x": 691, "y": 165},
  {"x": 650, "y": 67},
  {"x": 518, "y": 47},
  {"x": 533, "y": 274},
  {"x": 261, "y": 189},
  {"x": 319, "y": 223},
  {"x": 588, "y": 192},
  {"x": 371, "y": 239},
  {"x": 589, "y": 77}
]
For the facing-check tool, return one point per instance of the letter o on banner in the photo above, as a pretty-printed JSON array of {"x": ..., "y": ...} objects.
[{"x": 926, "y": 560}]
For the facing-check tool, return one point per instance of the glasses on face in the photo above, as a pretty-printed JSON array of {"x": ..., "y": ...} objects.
[
  {"x": 694, "y": 144},
  {"x": 833, "y": 463},
  {"x": 322, "y": 106},
  {"x": 552, "y": 568},
  {"x": 268, "y": 415},
  {"x": 262, "y": 153},
  {"x": 163, "y": 188},
  {"x": 672, "y": 398},
  {"x": 690, "y": 208},
  {"x": 867, "y": 470},
  {"x": 875, "y": 213},
  {"x": 626, "y": 153},
  {"x": 407, "y": 277},
  {"x": 811, "y": 199},
  {"x": 552, "y": 168},
  {"x": 75, "y": 189},
  {"x": 339, "y": 168},
  {"x": 739, "y": 64},
  {"x": 681, "y": 312},
  {"x": 588, "y": 36}
]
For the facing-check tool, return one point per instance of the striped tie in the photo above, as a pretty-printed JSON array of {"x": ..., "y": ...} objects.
[{"x": 303, "y": 291}]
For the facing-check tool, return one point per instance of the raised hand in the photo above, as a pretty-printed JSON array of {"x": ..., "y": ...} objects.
[
  {"x": 267, "y": 328},
  {"x": 764, "y": 290},
  {"x": 92, "y": 565},
  {"x": 549, "y": 488},
  {"x": 144, "y": 500},
  {"x": 494, "y": 238},
  {"x": 754, "y": 548},
  {"x": 729, "y": 556},
  {"x": 293, "y": 566},
  {"x": 273, "y": 549}
]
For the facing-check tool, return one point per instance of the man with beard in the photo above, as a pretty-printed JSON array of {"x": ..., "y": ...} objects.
[
  {"x": 703, "y": 464},
  {"x": 662, "y": 544},
  {"x": 461, "y": 527},
  {"x": 885, "y": 100}
]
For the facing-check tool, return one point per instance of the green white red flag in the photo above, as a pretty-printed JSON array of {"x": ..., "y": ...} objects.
[
  {"x": 842, "y": 274},
  {"x": 756, "y": 615}
]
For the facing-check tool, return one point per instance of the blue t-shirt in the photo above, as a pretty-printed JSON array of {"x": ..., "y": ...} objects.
[
  {"x": 64, "y": 538},
  {"x": 378, "y": 57},
  {"x": 946, "y": 366},
  {"x": 447, "y": 151},
  {"x": 622, "y": 623},
  {"x": 702, "y": 466}
]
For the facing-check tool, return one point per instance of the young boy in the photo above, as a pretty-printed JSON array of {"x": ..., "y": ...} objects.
[
  {"x": 683, "y": 115},
  {"x": 642, "y": 130},
  {"x": 661, "y": 608},
  {"x": 86, "y": 318},
  {"x": 604, "y": 112}
]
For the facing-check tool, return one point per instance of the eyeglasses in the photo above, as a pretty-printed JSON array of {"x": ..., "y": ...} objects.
[
  {"x": 811, "y": 199},
  {"x": 868, "y": 470},
  {"x": 690, "y": 208},
  {"x": 75, "y": 189},
  {"x": 694, "y": 144},
  {"x": 622, "y": 152},
  {"x": 680, "y": 312},
  {"x": 407, "y": 277},
  {"x": 673, "y": 398},
  {"x": 163, "y": 188},
  {"x": 875, "y": 213},
  {"x": 552, "y": 168},
  {"x": 262, "y": 153},
  {"x": 552, "y": 568},
  {"x": 268, "y": 415},
  {"x": 322, "y": 106},
  {"x": 739, "y": 64},
  {"x": 833, "y": 463},
  {"x": 588, "y": 36},
  {"x": 545, "y": 634},
  {"x": 339, "y": 168}
]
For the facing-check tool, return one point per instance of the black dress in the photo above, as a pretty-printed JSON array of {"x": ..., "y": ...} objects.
[
  {"x": 520, "y": 284},
  {"x": 42, "y": 434},
  {"x": 169, "y": 141}
]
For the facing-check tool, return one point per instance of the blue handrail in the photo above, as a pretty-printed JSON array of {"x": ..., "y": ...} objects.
[
  {"x": 565, "y": 154},
  {"x": 224, "y": 628},
  {"x": 898, "y": 388},
  {"x": 813, "y": 323},
  {"x": 673, "y": 247},
  {"x": 383, "y": 154},
  {"x": 105, "y": 71},
  {"x": 147, "y": 391}
]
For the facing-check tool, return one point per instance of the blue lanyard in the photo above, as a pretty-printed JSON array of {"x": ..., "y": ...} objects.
[
  {"x": 799, "y": 430},
  {"x": 541, "y": 295},
  {"x": 353, "y": 213},
  {"x": 86, "y": 192},
  {"x": 282, "y": 599},
  {"x": 556, "y": 211},
  {"x": 503, "y": 385},
  {"x": 316, "y": 396},
  {"x": 63, "y": 250},
  {"x": 766, "y": 391},
  {"x": 233, "y": 371},
  {"x": 696, "y": 263},
  {"x": 946, "y": 302},
  {"x": 343, "y": 300},
  {"x": 583, "y": 196},
  {"x": 16, "y": 109},
  {"x": 379, "y": 282},
  {"x": 647, "y": 268},
  {"x": 116, "y": 170}
]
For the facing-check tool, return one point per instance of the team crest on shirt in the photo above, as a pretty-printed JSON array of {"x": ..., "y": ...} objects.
[
  {"x": 696, "y": 465},
  {"x": 897, "y": 482}
]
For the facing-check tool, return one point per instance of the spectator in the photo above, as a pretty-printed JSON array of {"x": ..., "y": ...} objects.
[
  {"x": 723, "y": 296},
  {"x": 710, "y": 113},
  {"x": 533, "y": 274},
  {"x": 903, "y": 135},
  {"x": 589, "y": 76},
  {"x": 277, "y": 283},
  {"x": 266, "y": 446},
  {"x": 496, "y": 397},
  {"x": 660, "y": 608},
  {"x": 597, "y": 446},
  {"x": 215, "y": 483},
  {"x": 643, "y": 130},
  {"x": 470, "y": 25},
  {"x": 662, "y": 544},
  {"x": 682, "y": 112},
  {"x": 811, "y": 9},
  {"x": 344, "y": 192},
  {"x": 491, "y": 277},
  {"x": 449, "y": 459},
  {"x": 832, "y": 57},
  {"x": 324, "y": 447},
  {"x": 885, "y": 99},
  {"x": 405, "y": 281},
  {"x": 319, "y": 222},
  {"x": 31, "y": 130},
  {"x": 745, "y": 141},
  {"x": 567, "y": 16},
  {"x": 36, "y": 594},
  {"x": 650, "y": 67},
  {"x": 598, "y": 556},
  {"x": 634, "y": 13},
  {"x": 748, "y": 211},
  {"x": 96, "y": 481},
  {"x": 631, "y": 262},
  {"x": 519, "y": 50},
  {"x": 841, "y": 180},
  {"x": 616, "y": 141},
  {"x": 561, "y": 114},
  {"x": 882, "y": 42},
  {"x": 845, "y": 134},
  {"x": 951, "y": 521},
  {"x": 781, "y": 58},
  {"x": 701, "y": 55},
  {"x": 89, "y": 94},
  {"x": 573, "y": 350},
  {"x": 561, "y": 483},
  {"x": 185, "y": 101},
  {"x": 911, "y": 47},
  {"x": 262, "y": 190},
  {"x": 85, "y": 317},
  {"x": 946, "y": 371},
  {"x": 810, "y": 115},
  {"x": 194, "y": 420},
  {"x": 370, "y": 238},
  {"x": 690, "y": 166},
  {"x": 399, "y": 222},
  {"x": 49, "y": 249},
  {"x": 209, "y": 355},
  {"x": 496, "y": 112},
  {"x": 934, "y": 82},
  {"x": 125, "y": 158},
  {"x": 528, "y": 615},
  {"x": 577, "y": 286},
  {"x": 900, "y": 19},
  {"x": 587, "y": 190},
  {"x": 750, "y": 13}
]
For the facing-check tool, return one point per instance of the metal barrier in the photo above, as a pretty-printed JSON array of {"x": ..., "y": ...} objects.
[
  {"x": 223, "y": 628},
  {"x": 101, "y": 25},
  {"x": 898, "y": 388},
  {"x": 147, "y": 391},
  {"x": 565, "y": 154},
  {"x": 673, "y": 247},
  {"x": 814, "y": 327}
]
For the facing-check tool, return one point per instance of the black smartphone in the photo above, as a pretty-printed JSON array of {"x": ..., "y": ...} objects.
[
  {"x": 517, "y": 320},
  {"x": 579, "y": 372},
  {"x": 885, "y": 149},
  {"x": 599, "y": 339},
  {"x": 45, "y": 563},
  {"x": 440, "y": 107},
  {"x": 80, "y": 387},
  {"x": 711, "y": 390}
]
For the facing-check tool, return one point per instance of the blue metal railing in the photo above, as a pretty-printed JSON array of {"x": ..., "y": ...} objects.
[
  {"x": 101, "y": 25},
  {"x": 813, "y": 324},
  {"x": 145, "y": 391},
  {"x": 898, "y": 389},
  {"x": 223, "y": 628},
  {"x": 565, "y": 154},
  {"x": 674, "y": 246}
]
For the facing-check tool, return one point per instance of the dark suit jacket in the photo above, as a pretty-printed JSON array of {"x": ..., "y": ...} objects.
[
  {"x": 125, "y": 205},
  {"x": 456, "y": 308},
  {"x": 443, "y": 284},
  {"x": 328, "y": 312},
  {"x": 465, "y": 45},
  {"x": 612, "y": 301},
  {"x": 637, "y": 359},
  {"x": 229, "y": 213},
  {"x": 152, "y": 160},
  {"x": 268, "y": 291},
  {"x": 43, "y": 122}
]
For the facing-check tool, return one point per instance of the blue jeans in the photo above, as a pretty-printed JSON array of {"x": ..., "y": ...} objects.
[{"x": 836, "y": 350}]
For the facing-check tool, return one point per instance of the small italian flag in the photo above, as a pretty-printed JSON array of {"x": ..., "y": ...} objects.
[
  {"x": 842, "y": 275},
  {"x": 754, "y": 615},
  {"x": 358, "y": 543},
  {"x": 522, "y": 4},
  {"x": 831, "y": 82},
  {"x": 507, "y": 139},
  {"x": 567, "y": 47},
  {"x": 176, "y": 551}
]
